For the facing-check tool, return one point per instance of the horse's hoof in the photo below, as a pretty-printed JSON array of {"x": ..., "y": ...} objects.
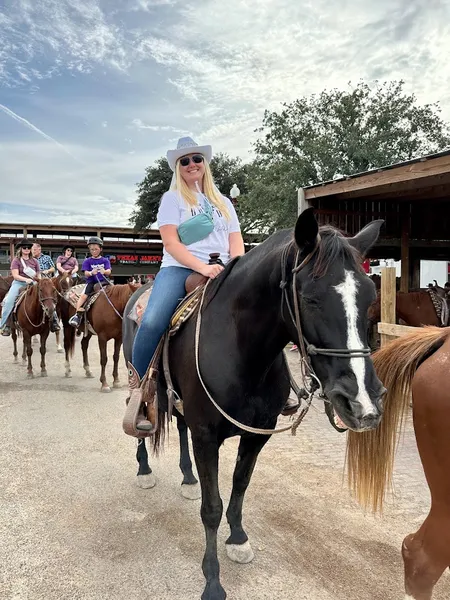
[
  {"x": 240, "y": 553},
  {"x": 30, "y": 376},
  {"x": 192, "y": 491},
  {"x": 60, "y": 350},
  {"x": 44, "y": 374},
  {"x": 67, "y": 375},
  {"x": 117, "y": 385},
  {"x": 105, "y": 389},
  {"x": 146, "y": 482},
  {"x": 89, "y": 375}
]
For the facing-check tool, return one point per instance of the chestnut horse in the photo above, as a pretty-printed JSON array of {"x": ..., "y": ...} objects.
[
  {"x": 418, "y": 363},
  {"x": 105, "y": 316},
  {"x": 414, "y": 308},
  {"x": 33, "y": 317},
  {"x": 5, "y": 284}
]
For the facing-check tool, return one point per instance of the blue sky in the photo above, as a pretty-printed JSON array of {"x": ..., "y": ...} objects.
[{"x": 92, "y": 91}]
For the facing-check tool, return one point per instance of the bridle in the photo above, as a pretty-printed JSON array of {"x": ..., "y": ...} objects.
[
  {"x": 45, "y": 310},
  {"x": 306, "y": 349},
  {"x": 311, "y": 382}
]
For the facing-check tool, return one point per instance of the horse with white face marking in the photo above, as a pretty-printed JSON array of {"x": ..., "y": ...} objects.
[{"x": 308, "y": 287}]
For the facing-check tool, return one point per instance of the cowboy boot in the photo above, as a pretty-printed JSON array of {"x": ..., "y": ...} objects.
[
  {"x": 135, "y": 389},
  {"x": 76, "y": 319},
  {"x": 148, "y": 387},
  {"x": 54, "y": 323},
  {"x": 292, "y": 405}
]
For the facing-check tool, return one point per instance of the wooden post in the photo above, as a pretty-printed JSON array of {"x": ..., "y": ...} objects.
[
  {"x": 415, "y": 273},
  {"x": 405, "y": 220},
  {"x": 302, "y": 203},
  {"x": 388, "y": 298}
]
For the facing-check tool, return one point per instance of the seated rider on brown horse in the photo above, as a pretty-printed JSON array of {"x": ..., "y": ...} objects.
[
  {"x": 25, "y": 270},
  {"x": 96, "y": 269},
  {"x": 194, "y": 220}
]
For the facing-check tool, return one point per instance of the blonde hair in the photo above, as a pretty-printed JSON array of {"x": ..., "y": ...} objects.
[{"x": 209, "y": 189}]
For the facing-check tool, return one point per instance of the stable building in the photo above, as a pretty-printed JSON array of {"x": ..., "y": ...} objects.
[{"x": 412, "y": 197}]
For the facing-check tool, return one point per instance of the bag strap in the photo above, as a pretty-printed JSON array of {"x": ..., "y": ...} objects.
[{"x": 207, "y": 206}]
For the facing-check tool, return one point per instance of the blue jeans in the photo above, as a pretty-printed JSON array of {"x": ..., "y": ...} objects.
[
  {"x": 167, "y": 292},
  {"x": 8, "y": 302}
]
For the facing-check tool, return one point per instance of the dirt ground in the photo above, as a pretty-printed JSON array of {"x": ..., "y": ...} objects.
[{"x": 74, "y": 525}]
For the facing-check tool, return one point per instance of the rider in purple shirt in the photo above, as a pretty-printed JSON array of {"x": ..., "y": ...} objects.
[{"x": 96, "y": 269}]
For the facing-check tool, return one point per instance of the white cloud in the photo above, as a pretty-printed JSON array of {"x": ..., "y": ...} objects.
[
  {"x": 97, "y": 192},
  {"x": 156, "y": 70}
]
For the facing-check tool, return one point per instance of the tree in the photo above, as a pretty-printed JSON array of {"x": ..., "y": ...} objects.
[
  {"x": 337, "y": 133},
  {"x": 225, "y": 169},
  {"x": 156, "y": 181}
]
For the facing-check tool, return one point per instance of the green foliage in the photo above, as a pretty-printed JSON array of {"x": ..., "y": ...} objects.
[
  {"x": 315, "y": 138},
  {"x": 336, "y": 133}
]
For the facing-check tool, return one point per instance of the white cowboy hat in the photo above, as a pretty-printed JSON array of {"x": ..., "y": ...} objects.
[{"x": 186, "y": 145}]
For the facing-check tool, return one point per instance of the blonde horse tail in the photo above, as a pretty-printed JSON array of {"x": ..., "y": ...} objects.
[{"x": 370, "y": 454}]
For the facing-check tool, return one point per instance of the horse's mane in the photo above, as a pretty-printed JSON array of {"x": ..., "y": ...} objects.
[
  {"x": 333, "y": 246},
  {"x": 120, "y": 293}
]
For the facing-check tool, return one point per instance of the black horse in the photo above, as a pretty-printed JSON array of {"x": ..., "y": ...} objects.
[{"x": 309, "y": 288}]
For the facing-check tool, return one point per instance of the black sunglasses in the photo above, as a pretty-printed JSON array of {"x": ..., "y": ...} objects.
[
  {"x": 26, "y": 247},
  {"x": 197, "y": 159}
]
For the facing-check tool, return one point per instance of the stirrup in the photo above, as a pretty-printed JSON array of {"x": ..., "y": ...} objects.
[{"x": 140, "y": 419}]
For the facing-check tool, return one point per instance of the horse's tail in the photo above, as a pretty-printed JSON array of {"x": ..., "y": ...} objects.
[
  {"x": 370, "y": 454},
  {"x": 71, "y": 332},
  {"x": 159, "y": 437}
]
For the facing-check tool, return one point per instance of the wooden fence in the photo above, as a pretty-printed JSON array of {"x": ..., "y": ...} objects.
[{"x": 387, "y": 328}]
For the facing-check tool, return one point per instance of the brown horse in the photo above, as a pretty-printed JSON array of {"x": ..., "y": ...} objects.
[
  {"x": 5, "y": 284},
  {"x": 105, "y": 316},
  {"x": 33, "y": 317},
  {"x": 414, "y": 308},
  {"x": 419, "y": 364}
]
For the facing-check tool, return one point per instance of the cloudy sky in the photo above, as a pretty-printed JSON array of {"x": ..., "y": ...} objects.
[{"x": 92, "y": 91}]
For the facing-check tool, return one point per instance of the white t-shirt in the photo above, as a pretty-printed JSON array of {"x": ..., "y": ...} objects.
[{"x": 173, "y": 210}]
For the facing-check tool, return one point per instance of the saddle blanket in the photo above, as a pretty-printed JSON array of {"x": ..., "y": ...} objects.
[{"x": 72, "y": 296}]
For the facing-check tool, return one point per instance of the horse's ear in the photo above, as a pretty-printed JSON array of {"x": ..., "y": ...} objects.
[
  {"x": 306, "y": 230},
  {"x": 367, "y": 237}
]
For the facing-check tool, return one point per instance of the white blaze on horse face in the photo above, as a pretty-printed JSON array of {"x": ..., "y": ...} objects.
[{"x": 348, "y": 291}]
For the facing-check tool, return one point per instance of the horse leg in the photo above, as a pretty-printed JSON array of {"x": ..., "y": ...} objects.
[
  {"x": 27, "y": 346},
  {"x": 59, "y": 348},
  {"x": 116, "y": 357},
  {"x": 69, "y": 334},
  {"x": 42, "y": 349},
  {"x": 145, "y": 477},
  {"x": 190, "y": 488},
  {"x": 102, "y": 344},
  {"x": 238, "y": 547},
  {"x": 14, "y": 339},
  {"x": 426, "y": 555},
  {"x": 206, "y": 453},
  {"x": 24, "y": 350},
  {"x": 84, "y": 349}
]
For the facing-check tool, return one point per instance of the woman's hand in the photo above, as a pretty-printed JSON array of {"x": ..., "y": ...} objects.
[{"x": 211, "y": 271}]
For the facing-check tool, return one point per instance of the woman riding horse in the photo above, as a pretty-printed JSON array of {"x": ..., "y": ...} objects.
[
  {"x": 24, "y": 269},
  {"x": 194, "y": 220}
]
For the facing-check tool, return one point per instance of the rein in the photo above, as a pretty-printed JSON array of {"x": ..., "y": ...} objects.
[
  {"x": 305, "y": 349},
  {"x": 41, "y": 301},
  {"x": 107, "y": 298}
]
